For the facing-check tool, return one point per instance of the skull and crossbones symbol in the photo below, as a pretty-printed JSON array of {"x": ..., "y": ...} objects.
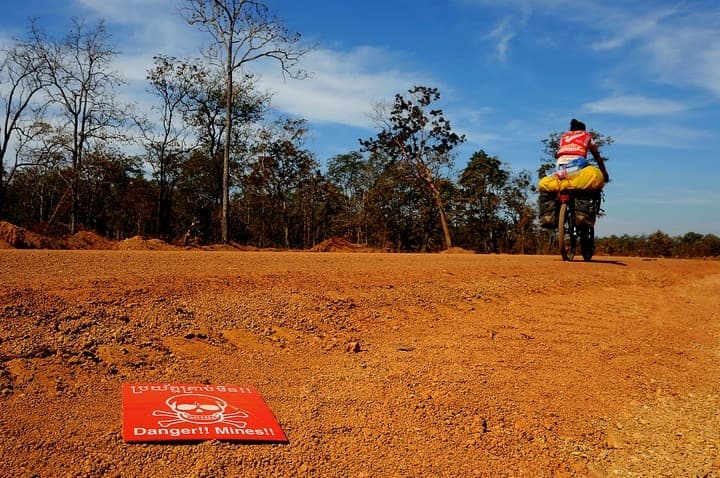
[{"x": 199, "y": 409}]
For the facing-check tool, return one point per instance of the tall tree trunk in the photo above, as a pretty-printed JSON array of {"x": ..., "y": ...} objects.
[
  {"x": 286, "y": 225},
  {"x": 74, "y": 185},
  {"x": 444, "y": 224},
  {"x": 441, "y": 208},
  {"x": 2, "y": 194},
  {"x": 226, "y": 153}
]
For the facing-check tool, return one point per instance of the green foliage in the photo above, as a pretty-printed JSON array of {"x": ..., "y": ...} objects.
[
  {"x": 495, "y": 211},
  {"x": 279, "y": 171},
  {"x": 421, "y": 139},
  {"x": 482, "y": 184},
  {"x": 353, "y": 178},
  {"x": 659, "y": 244}
]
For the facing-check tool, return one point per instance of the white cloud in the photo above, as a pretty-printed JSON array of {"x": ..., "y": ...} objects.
[
  {"x": 343, "y": 86},
  {"x": 134, "y": 68},
  {"x": 475, "y": 124},
  {"x": 674, "y": 46},
  {"x": 677, "y": 45},
  {"x": 626, "y": 27},
  {"x": 147, "y": 26},
  {"x": 129, "y": 11},
  {"x": 634, "y": 105},
  {"x": 663, "y": 136},
  {"x": 503, "y": 33},
  {"x": 687, "y": 55},
  {"x": 6, "y": 40}
]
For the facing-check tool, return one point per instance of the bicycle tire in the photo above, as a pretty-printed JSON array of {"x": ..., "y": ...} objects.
[
  {"x": 566, "y": 239},
  {"x": 587, "y": 243}
]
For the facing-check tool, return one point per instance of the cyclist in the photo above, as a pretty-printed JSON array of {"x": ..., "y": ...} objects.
[
  {"x": 572, "y": 169},
  {"x": 572, "y": 151}
]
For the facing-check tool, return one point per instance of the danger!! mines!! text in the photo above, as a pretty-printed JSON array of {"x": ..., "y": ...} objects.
[{"x": 199, "y": 431}]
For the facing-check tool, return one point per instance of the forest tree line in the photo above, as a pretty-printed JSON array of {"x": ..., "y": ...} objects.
[{"x": 209, "y": 160}]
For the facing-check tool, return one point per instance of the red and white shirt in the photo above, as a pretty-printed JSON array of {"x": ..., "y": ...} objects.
[{"x": 573, "y": 144}]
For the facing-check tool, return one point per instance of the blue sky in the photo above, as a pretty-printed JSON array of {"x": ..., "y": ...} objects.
[{"x": 510, "y": 72}]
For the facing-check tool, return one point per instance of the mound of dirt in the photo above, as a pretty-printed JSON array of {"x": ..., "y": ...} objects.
[
  {"x": 10, "y": 234},
  {"x": 226, "y": 247},
  {"x": 139, "y": 243},
  {"x": 339, "y": 244},
  {"x": 20, "y": 238},
  {"x": 457, "y": 250},
  {"x": 89, "y": 240},
  {"x": 16, "y": 237}
]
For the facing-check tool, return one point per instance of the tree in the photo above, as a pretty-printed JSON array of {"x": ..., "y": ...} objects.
[
  {"x": 422, "y": 140},
  {"x": 242, "y": 31},
  {"x": 354, "y": 176},
  {"x": 278, "y": 171},
  {"x": 34, "y": 195},
  {"x": 80, "y": 90},
  {"x": 397, "y": 208},
  {"x": 659, "y": 244},
  {"x": 687, "y": 244},
  {"x": 709, "y": 246},
  {"x": 316, "y": 207},
  {"x": 109, "y": 204},
  {"x": 206, "y": 115},
  {"x": 519, "y": 213},
  {"x": 482, "y": 184},
  {"x": 21, "y": 75},
  {"x": 165, "y": 137}
]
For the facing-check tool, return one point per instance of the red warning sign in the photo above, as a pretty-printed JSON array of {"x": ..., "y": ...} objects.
[{"x": 187, "y": 412}]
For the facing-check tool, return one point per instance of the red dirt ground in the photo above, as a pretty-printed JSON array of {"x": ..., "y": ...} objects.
[{"x": 375, "y": 364}]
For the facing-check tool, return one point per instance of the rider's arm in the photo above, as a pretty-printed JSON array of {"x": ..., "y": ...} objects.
[{"x": 600, "y": 161}]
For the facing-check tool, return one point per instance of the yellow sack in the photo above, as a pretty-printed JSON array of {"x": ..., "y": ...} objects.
[{"x": 589, "y": 177}]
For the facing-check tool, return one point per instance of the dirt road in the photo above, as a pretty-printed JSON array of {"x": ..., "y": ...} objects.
[{"x": 374, "y": 364}]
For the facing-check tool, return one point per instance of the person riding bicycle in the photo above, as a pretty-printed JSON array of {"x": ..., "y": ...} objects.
[
  {"x": 572, "y": 170},
  {"x": 573, "y": 148}
]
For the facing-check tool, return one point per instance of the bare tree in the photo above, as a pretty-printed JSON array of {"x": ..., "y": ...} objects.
[
  {"x": 243, "y": 31},
  {"x": 22, "y": 78},
  {"x": 80, "y": 93}
]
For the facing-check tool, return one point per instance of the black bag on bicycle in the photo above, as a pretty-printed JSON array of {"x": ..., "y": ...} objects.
[
  {"x": 547, "y": 210},
  {"x": 587, "y": 207}
]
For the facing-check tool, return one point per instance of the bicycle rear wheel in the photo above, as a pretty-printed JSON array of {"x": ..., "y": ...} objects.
[
  {"x": 566, "y": 237},
  {"x": 587, "y": 243}
]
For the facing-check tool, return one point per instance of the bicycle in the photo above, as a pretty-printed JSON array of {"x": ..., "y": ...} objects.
[{"x": 569, "y": 232}]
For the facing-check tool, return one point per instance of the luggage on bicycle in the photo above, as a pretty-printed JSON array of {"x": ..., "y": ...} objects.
[
  {"x": 587, "y": 207},
  {"x": 588, "y": 178},
  {"x": 547, "y": 210}
]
